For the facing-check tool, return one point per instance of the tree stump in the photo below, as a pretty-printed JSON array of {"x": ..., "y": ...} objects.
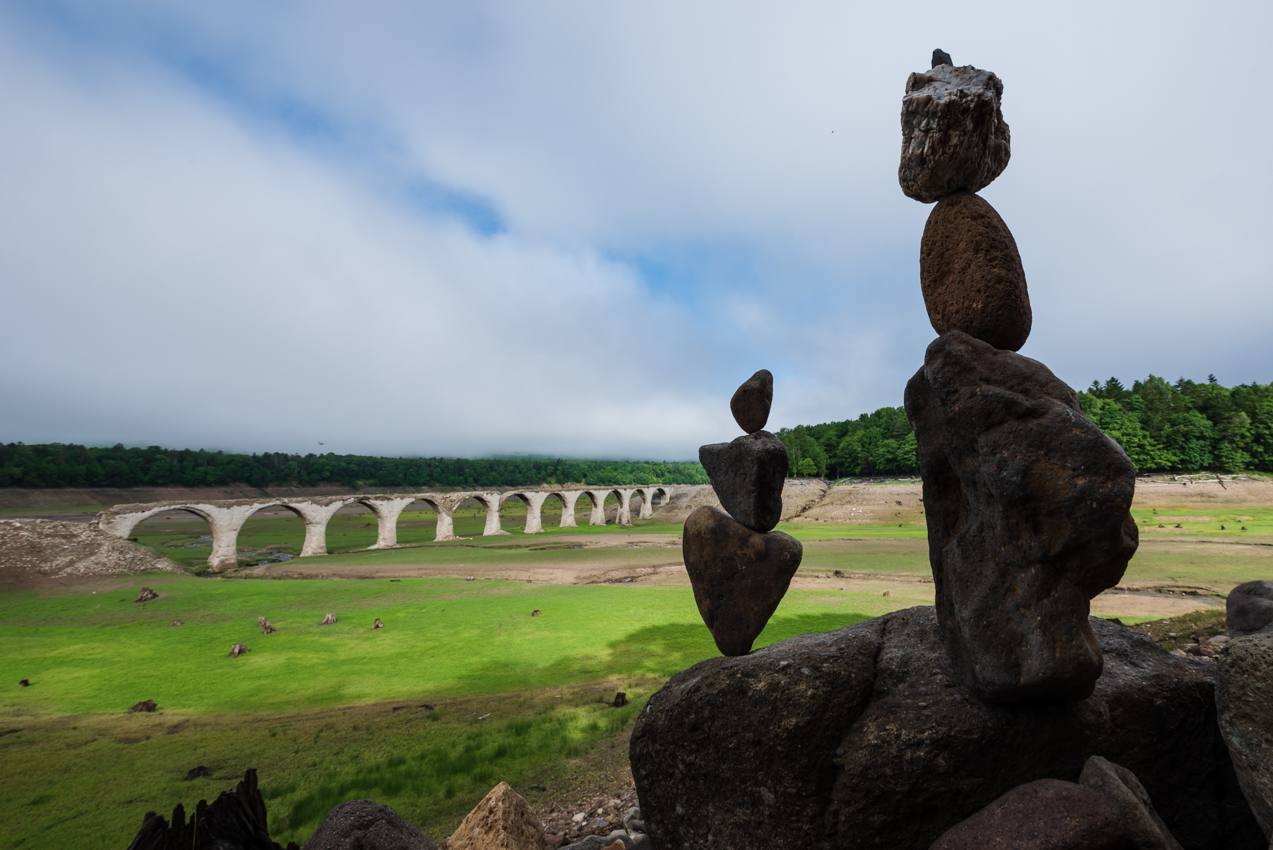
[
  {"x": 329, "y": 620},
  {"x": 377, "y": 624},
  {"x": 146, "y": 595},
  {"x": 176, "y": 622},
  {"x": 620, "y": 700},
  {"x": 144, "y": 705},
  {"x": 238, "y": 649},
  {"x": 24, "y": 683},
  {"x": 536, "y": 613},
  {"x": 267, "y": 627},
  {"x": 235, "y": 819}
]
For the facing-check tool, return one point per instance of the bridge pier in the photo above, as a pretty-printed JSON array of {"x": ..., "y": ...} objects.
[
  {"x": 598, "y": 498},
  {"x": 226, "y": 523},
  {"x": 316, "y": 517},
  {"x": 624, "y": 517},
  {"x": 569, "y": 498},
  {"x": 647, "y": 503},
  {"x": 492, "y": 503},
  {"x": 387, "y": 512}
]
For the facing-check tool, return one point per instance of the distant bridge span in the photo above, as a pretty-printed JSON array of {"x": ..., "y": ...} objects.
[{"x": 226, "y": 517}]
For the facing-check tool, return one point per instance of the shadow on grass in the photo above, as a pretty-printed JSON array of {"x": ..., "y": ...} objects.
[{"x": 458, "y": 764}]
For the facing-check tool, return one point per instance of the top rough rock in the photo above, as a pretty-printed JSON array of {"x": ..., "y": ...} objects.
[{"x": 953, "y": 133}]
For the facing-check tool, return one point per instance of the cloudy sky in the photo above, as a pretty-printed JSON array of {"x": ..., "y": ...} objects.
[{"x": 572, "y": 228}]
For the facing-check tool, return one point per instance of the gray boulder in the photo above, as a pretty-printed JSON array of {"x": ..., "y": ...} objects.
[
  {"x": 1145, "y": 830},
  {"x": 864, "y": 737},
  {"x": 600, "y": 842},
  {"x": 1046, "y": 814},
  {"x": 747, "y": 475},
  {"x": 1249, "y": 609},
  {"x": 1244, "y": 700},
  {"x": 1028, "y": 511},
  {"x": 953, "y": 133},
  {"x": 366, "y": 825}
]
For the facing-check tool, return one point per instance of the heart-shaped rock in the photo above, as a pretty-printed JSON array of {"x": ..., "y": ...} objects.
[{"x": 739, "y": 576}]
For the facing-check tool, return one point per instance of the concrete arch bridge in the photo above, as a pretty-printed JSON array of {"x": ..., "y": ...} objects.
[{"x": 226, "y": 517}]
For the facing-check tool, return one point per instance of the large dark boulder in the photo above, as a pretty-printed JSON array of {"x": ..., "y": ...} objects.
[
  {"x": 1046, "y": 814},
  {"x": 366, "y": 825},
  {"x": 1244, "y": 699},
  {"x": 1027, "y": 504},
  {"x": 1249, "y": 609},
  {"x": 864, "y": 737}
]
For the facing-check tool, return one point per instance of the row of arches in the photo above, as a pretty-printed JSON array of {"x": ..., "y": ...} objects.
[{"x": 226, "y": 518}]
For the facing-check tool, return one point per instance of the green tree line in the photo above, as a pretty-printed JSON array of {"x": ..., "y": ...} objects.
[
  {"x": 1163, "y": 427},
  {"x": 58, "y": 465},
  {"x": 1186, "y": 425}
]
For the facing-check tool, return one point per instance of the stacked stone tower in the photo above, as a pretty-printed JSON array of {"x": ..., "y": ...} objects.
[
  {"x": 1027, "y": 502},
  {"x": 739, "y": 566}
]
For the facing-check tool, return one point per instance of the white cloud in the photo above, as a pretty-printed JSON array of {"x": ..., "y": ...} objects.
[{"x": 180, "y": 265}]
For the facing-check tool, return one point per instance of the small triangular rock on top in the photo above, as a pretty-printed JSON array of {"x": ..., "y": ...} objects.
[{"x": 751, "y": 401}]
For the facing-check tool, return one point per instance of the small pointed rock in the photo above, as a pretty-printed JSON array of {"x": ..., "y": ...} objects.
[
  {"x": 502, "y": 820},
  {"x": 941, "y": 57},
  {"x": 751, "y": 401},
  {"x": 739, "y": 576}
]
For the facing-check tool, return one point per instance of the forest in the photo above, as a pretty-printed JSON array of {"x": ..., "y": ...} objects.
[
  {"x": 57, "y": 465},
  {"x": 1163, "y": 427}
]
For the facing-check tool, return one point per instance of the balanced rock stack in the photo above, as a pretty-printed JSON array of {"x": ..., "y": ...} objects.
[
  {"x": 1027, "y": 502},
  {"x": 739, "y": 567},
  {"x": 954, "y": 143},
  {"x": 1003, "y": 716}
]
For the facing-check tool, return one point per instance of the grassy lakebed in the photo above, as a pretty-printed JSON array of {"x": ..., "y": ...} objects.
[
  {"x": 313, "y": 706},
  {"x": 465, "y": 686}
]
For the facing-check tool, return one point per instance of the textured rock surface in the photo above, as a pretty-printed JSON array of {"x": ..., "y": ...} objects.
[
  {"x": 941, "y": 57},
  {"x": 1244, "y": 699},
  {"x": 1047, "y": 814},
  {"x": 747, "y": 475},
  {"x": 366, "y": 825},
  {"x": 739, "y": 576},
  {"x": 953, "y": 133},
  {"x": 1249, "y": 609},
  {"x": 863, "y": 738},
  {"x": 502, "y": 821},
  {"x": 751, "y": 401},
  {"x": 1027, "y": 504},
  {"x": 35, "y": 550},
  {"x": 971, "y": 273},
  {"x": 1145, "y": 830}
]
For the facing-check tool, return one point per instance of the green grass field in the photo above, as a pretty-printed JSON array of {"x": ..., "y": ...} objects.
[
  {"x": 90, "y": 656},
  {"x": 329, "y": 713}
]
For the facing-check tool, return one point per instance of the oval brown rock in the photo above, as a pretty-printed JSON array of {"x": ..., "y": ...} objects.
[{"x": 971, "y": 273}]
